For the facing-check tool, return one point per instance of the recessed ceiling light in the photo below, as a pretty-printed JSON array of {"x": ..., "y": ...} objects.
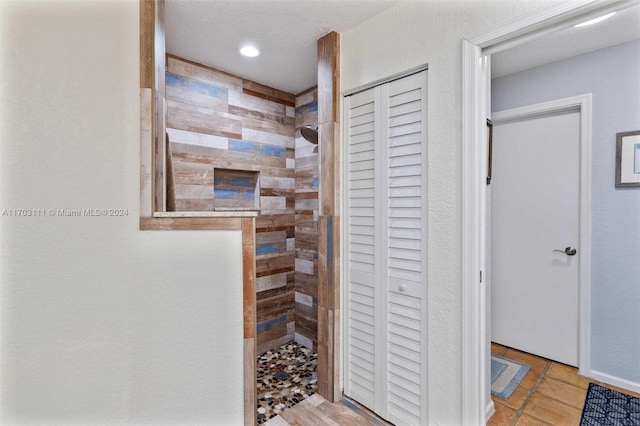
[
  {"x": 249, "y": 51},
  {"x": 596, "y": 20}
]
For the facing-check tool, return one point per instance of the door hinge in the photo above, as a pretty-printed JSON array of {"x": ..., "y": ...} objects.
[
  {"x": 480, "y": 276},
  {"x": 490, "y": 153}
]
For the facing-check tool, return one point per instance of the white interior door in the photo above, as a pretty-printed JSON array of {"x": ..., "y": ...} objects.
[
  {"x": 385, "y": 238},
  {"x": 535, "y": 210}
]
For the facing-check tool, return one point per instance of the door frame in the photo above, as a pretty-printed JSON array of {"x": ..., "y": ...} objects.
[
  {"x": 582, "y": 103},
  {"x": 476, "y": 77}
]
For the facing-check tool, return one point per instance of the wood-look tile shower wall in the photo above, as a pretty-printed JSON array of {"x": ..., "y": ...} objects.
[
  {"x": 217, "y": 120},
  {"x": 306, "y": 287}
]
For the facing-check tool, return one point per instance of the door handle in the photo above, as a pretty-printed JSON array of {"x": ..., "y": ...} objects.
[{"x": 569, "y": 251}]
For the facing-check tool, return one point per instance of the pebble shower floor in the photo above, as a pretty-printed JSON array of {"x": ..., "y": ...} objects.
[{"x": 286, "y": 376}]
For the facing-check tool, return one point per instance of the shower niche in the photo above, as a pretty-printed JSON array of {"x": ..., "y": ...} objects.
[{"x": 236, "y": 190}]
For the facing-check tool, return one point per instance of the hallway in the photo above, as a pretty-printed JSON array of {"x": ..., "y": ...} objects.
[{"x": 550, "y": 394}]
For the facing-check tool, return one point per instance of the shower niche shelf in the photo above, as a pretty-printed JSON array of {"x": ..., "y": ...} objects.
[{"x": 236, "y": 190}]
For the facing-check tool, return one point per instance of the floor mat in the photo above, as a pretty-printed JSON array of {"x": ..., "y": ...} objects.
[
  {"x": 607, "y": 407},
  {"x": 506, "y": 375}
]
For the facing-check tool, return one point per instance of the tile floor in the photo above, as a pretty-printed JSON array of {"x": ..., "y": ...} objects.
[
  {"x": 317, "y": 411},
  {"x": 550, "y": 394},
  {"x": 286, "y": 376}
]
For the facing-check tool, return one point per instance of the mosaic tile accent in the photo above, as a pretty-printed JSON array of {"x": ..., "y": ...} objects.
[{"x": 286, "y": 376}]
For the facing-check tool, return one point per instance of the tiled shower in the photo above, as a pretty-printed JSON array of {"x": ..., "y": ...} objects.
[{"x": 235, "y": 143}]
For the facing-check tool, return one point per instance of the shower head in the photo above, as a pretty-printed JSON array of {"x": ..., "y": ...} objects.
[{"x": 310, "y": 134}]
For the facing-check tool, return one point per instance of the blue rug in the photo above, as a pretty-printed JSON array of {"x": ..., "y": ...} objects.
[
  {"x": 506, "y": 375},
  {"x": 606, "y": 407}
]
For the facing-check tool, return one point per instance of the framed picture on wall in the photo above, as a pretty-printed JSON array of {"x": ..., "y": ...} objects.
[{"x": 628, "y": 159}]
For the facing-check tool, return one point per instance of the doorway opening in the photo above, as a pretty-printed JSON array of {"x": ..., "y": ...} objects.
[{"x": 477, "y": 51}]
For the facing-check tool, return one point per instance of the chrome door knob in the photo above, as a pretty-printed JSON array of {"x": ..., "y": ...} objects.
[{"x": 569, "y": 251}]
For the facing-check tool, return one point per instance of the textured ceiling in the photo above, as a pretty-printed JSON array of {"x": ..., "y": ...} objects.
[
  {"x": 286, "y": 31},
  {"x": 622, "y": 27},
  {"x": 211, "y": 32}
]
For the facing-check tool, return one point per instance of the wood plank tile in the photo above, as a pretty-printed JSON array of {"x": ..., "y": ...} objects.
[
  {"x": 147, "y": 32},
  {"x": 266, "y": 137},
  {"x": 269, "y": 93},
  {"x": 306, "y": 115},
  {"x": 187, "y": 68},
  {"x": 274, "y": 221},
  {"x": 249, "y": 379},
  {"x": 186, "y": 173},
  {"x": 271, "y": 281},
  {"x": 274, "y": 307},
  {"x": 146, "y": 149},
  {"x": 202, "y": 120},
  {"x": 260, "y": 150},
  {"x": 328, "y": 77},
  {"x": 268, "y": 126},
  {"x": 194, "y": 92},
  {"x": 194, "y": 205},
  {"x": 307, "y": 96},
  {"x": 253, "y": 103},
  {"x": 342, "y": 415},
  {"x": 323, "y": 351},
  {"x": 329, "y": 177},
  {"x": 290, "y": 287},
  {"x": 307, "y": 415},
  {"x": 277, "y": 421},
  {"x": 306, "y": 284},
  {"x": 159, "y": 151},
  {"x": 194, "y": 192},
  {"x": 263, "y": 116},
  {"x": 271, "y": 344},
  {"x": 248, "y": 276},
  {"x": 274, "y": 262}
]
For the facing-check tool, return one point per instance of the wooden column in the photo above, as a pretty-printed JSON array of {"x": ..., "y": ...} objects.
[
  {"x": 329, "y": 217},
  {"x": 152, "y": 108},
  {"x": 159, "y": 152},
  {"x": 147, "y": 29},
  {"x": 249, "y": 306}
]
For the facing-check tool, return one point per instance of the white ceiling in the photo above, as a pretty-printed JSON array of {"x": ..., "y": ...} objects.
[
  {"x": 286, "y": 31},
  {"x": 210, "y": 32},
  {"x": 622, "y": 27}
]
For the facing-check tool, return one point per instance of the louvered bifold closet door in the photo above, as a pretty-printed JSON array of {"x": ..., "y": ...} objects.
[
  {"x": 406, "y": 249},
  {"x": 385, "y": 292},
  {"x": 361, "y": 229}
]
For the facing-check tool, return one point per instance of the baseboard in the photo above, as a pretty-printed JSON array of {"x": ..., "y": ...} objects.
[
  {"x": 615, "y": 381},
  {"x": 490, "y": 410}
]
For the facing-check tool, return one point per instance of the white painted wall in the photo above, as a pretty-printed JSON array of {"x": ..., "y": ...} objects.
[
  {"x": 611, "y": 75},
  {"x": 406, "y": 35},
  {"x": 101, "y": 323}
]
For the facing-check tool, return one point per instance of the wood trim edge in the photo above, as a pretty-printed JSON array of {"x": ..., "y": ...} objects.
[{"x": 190, "y": 224}]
